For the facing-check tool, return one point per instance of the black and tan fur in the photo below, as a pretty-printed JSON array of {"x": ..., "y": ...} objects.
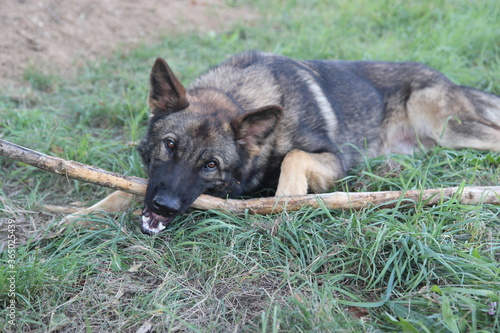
[{"x": 265, "y": 121}]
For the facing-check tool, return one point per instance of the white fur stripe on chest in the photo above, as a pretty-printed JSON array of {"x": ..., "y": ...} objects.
[{"x": 323, "y": 104}]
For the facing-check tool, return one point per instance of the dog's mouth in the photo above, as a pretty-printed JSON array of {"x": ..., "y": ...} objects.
[{"x": 152, "y": 223}]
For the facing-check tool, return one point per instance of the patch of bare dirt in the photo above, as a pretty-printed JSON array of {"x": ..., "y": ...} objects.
[{"x": 56, "y": 35}]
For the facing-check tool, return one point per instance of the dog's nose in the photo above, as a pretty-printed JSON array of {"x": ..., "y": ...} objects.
[{"x": 166, "y": 205}]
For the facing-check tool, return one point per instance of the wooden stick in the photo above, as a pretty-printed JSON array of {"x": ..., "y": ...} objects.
[
  {"x": 336, "y": 200},
  {"x": 73, "y": 169}
]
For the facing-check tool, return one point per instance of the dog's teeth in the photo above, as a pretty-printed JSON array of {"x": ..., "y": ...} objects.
[
  {"x": 146, "y": 219},
  {"x": 146, "y": 224}
]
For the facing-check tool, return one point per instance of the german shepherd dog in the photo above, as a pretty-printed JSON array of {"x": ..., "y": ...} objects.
[{"x": 260, "y": 120}]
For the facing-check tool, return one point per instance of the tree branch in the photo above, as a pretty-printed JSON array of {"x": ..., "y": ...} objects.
[{"x": 336, "y": 200}]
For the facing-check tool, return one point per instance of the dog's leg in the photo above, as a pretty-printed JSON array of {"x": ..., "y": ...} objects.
[
  {"x": 456, "y": 117},
  {"x": 302, "y": 171},
  {"x": 117, "y": 201}
]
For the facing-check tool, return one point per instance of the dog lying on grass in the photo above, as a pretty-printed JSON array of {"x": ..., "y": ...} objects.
[{"x": 261, "y": 121}]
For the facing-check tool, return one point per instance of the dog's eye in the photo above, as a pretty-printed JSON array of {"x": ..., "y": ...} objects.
[
  {"x": 169, "y": 144},
  {"x": 212, "y": 165}
]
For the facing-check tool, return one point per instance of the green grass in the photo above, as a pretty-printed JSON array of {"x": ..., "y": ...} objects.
[{"x": 410, "y": 268}]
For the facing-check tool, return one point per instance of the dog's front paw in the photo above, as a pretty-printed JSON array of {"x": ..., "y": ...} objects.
[
  {"x": 292, "y": 188},
  {"x": 293, "y": 179}
]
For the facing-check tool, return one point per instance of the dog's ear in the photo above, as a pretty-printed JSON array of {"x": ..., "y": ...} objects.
[
  {"x": 253, "y": 128},
  {"x": 167, "y": 93}
]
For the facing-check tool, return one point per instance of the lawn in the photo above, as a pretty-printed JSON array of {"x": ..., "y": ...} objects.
[{"x": 411, "y": 268}]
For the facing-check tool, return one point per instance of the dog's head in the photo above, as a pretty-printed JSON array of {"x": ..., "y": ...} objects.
[{"x": 197, "y": 142}]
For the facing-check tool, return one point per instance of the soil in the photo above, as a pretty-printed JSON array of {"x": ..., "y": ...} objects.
[{"x": 56, "y": 35}]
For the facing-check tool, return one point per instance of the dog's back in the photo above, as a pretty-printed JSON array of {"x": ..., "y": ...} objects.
[{"x": 348, "y": 108}]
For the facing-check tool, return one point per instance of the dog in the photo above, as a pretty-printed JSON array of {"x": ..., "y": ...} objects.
[{"x": 263, "y": 121}]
